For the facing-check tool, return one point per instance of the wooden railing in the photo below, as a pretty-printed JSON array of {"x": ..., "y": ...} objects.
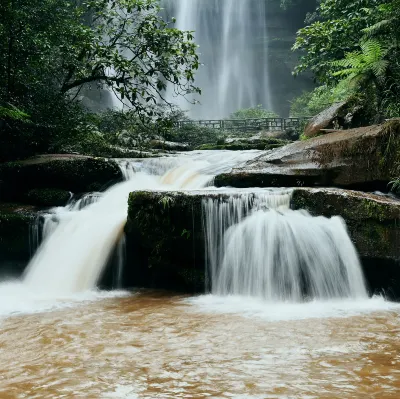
[{"x": 271, "y": 124}]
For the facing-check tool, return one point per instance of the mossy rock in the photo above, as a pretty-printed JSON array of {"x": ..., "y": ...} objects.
[
  {"x": 15, "y": 250},
  {"x": 241, "y": 145},
  {"x": 48, "y": 197},
  {"x": 69, "y": 173},
  {"x": 166, "y": 229},
  {"x": 372, "y": 220}
]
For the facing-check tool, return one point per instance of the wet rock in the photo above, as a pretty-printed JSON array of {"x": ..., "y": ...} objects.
[
  {"x": 166, "y": 236},
  {"x": 169, "y": 145},
  {"x": 252, "y": 143},
  {"x": 15, "y": 251},
  {"x": 48, "y": 197},
  {"x": 373, "y": 222},
  {"x": 353, "y": 113},
  {"x": 166, "y": 241},
  {"x": 363, "y": 158},
  {"x": 73, "y": 173}
]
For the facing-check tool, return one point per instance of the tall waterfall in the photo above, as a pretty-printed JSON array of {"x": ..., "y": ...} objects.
[
  {"x": 257, "y": 246},
  {"x": 231, "y": 35}
]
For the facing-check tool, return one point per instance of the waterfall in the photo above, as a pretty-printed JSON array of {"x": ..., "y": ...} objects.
[
  {"x": 78, "y": 240},
  {"x": 258, "y": 247},
  {"x": 231, "y": 35}
]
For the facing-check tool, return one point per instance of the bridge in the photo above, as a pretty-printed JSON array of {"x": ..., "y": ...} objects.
[{"x": 256, "y": 124}]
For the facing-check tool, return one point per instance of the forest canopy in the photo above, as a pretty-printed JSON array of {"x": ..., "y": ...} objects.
[
  {"x": 352, "y": 49},
  {"x": 54, "y": 51}
]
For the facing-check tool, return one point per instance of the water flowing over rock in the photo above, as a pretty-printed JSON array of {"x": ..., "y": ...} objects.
[
  {"x": 280, "y": 254},
  {"x": 251, "y": 241},
  {"x": 231, "y": 35},
  {"x": 81, "y": 237}
]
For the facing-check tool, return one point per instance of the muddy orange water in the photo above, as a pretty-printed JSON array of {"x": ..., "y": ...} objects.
[{"x": 153, "y": 345}]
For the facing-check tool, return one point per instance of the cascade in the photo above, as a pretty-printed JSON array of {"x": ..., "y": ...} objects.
[
  {"x": 231, "y": 35},
  {"x": 257, "y": 246},
  {"x": 78, "y": 240}
]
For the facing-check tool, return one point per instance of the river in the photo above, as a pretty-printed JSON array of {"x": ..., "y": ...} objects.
[
  {"x": 157, "y": 345},
  {"x": 288, "y": 317}
]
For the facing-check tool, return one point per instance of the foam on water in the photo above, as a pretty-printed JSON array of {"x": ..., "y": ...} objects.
[
  {"x": 282, "y": 311},
  {"x": 17, "y": 298},
  {"x": 76, "y": 241},
  {"x": 262, "y": 257}
]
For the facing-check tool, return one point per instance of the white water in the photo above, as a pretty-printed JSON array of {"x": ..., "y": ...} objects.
[
  {"x": 258, "y": 247},
  {"x": 231, "y": 35},
  {"x": 80, "y": 238}
]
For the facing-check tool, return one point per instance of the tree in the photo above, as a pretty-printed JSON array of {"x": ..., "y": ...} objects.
[
  {"x": 133, "y": 51},
  {"x": 366, "y": 66},
  {"x": 336, "y": 30},
  {"x": 52, "y": 49}
]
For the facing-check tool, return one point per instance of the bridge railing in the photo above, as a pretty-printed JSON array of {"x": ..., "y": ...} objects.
[{"x": 256, "y": 124}]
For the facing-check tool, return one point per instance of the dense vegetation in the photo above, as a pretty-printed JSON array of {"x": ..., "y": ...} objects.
[
  {"x": 352, "y": 49},
  {"x": 54, "y": 52},
  {"x": 65, "y": 64}
]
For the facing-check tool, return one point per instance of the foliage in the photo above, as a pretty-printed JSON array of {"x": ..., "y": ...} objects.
[
  {"x": 54, "y": 51},
  {"x": 257, "y": 112},
  {"x": 365, "y": 65},
  {"x": 13, "y": 113},
  {"x": 322, "y": 97},
  {"x": 395, "y": 185},
  {"x": 336, "y": 31},
  {"x": 355, "y": 44},
  {"x": 140, "y": 55}
]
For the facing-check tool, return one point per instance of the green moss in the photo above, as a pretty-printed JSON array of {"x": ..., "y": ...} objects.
[
  {"x": 14, "y": 231},
  {"x": 169, "y": 228},
  {"x": 242, "y": 145},
  {"x": 48, "y": 197},
  {"x": 68, "y": 174},
  {"x": 372, "y": 223}
]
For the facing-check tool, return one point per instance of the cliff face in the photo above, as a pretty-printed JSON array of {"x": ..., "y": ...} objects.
[{"x": 282, "y": 27}]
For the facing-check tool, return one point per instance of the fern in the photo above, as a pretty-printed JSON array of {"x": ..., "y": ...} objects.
[
  {"x": 360, "y": 64},
  {"x": 395, "y": 185},
  {"x": 378, "y": 27}
]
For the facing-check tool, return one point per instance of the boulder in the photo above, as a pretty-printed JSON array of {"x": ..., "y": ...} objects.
[
  {"x": 355, "y": 112},
  {"x": 327, "y": 118},
  {"x": 364, "y": 158},
  {"x": 166, "y": 241},
  {"x": 63, "y": 172},
  {"x": 373, "y": 224},
  {"x": 48, "y": 197},
  {"x": 169, "y": 145}
]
